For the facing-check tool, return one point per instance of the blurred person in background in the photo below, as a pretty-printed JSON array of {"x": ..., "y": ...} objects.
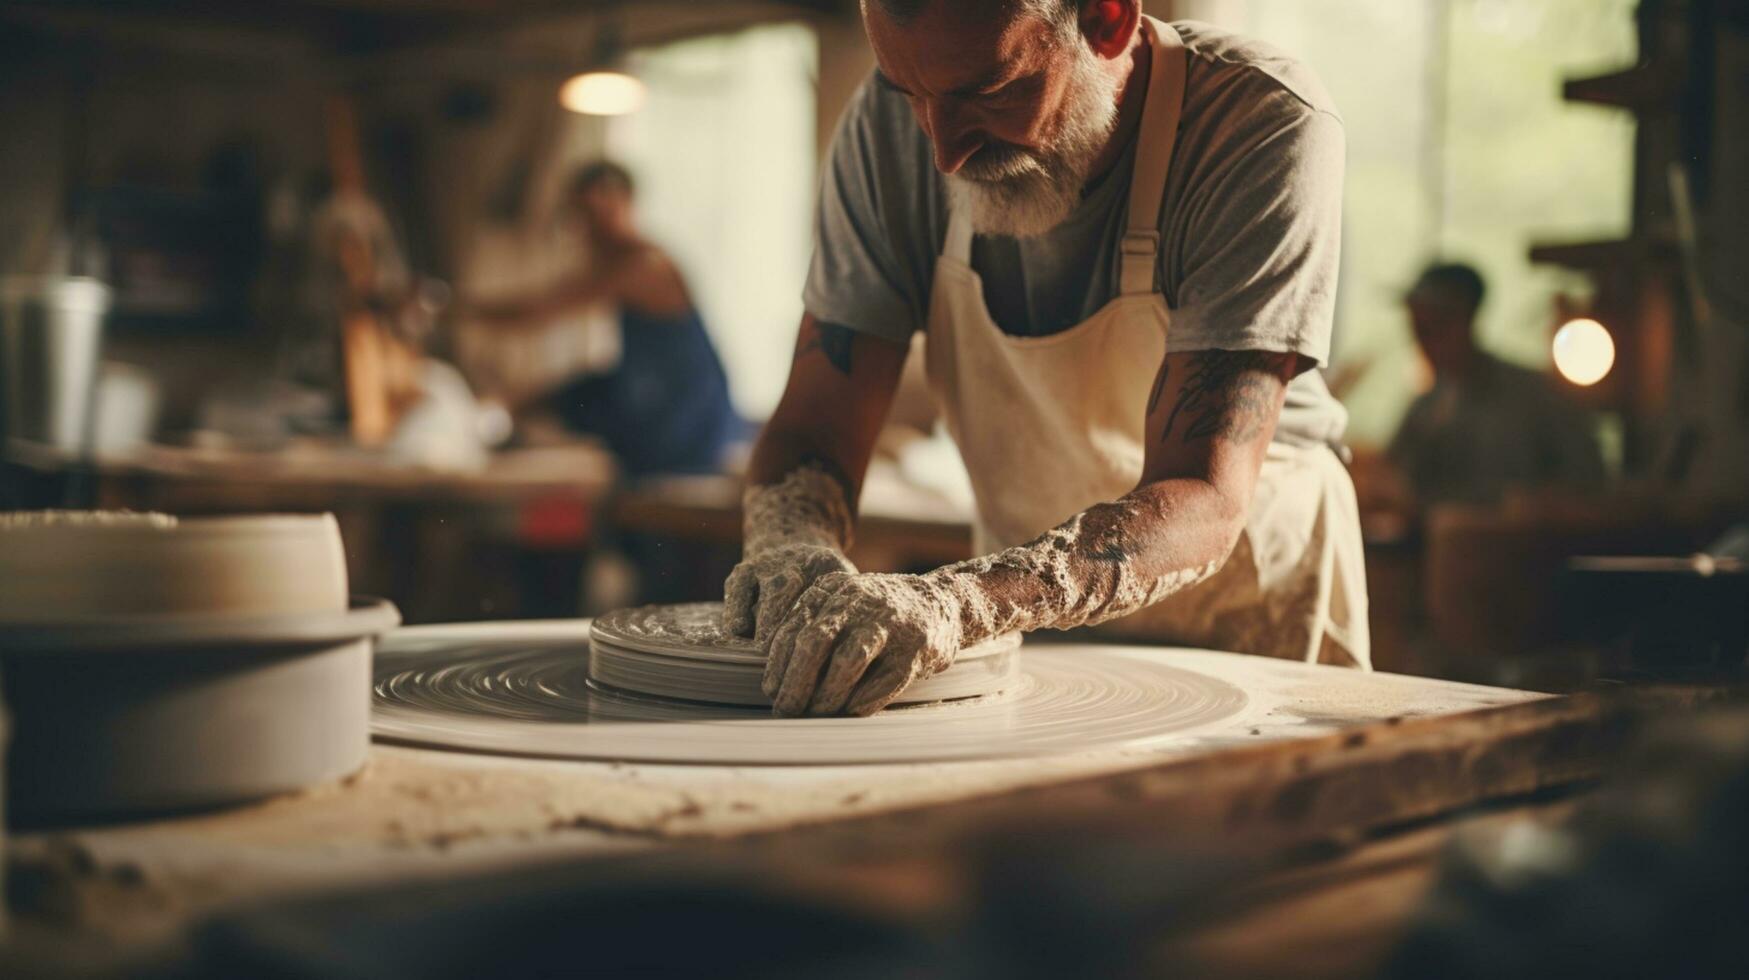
[
  {"x": 665, "y": 408},
  {"x": 1486, "y": 426}
]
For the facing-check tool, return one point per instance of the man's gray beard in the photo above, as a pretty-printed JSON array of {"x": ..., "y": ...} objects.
[{"x": 1028, "y": 192}]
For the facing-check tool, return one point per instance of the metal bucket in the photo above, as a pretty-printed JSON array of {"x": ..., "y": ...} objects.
[{"x": 51, "y": 334}]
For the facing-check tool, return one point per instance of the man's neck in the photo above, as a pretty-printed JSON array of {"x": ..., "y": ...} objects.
[
  {"x": 1130, "y": 98},
  {"x": 1471, "y": 368}
]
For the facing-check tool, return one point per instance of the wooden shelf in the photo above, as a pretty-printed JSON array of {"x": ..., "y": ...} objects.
[
  {"x": 1602, "y": 254},
  {"x": 1586, "y": 255},
  {"x": 1641, "y": 89}
]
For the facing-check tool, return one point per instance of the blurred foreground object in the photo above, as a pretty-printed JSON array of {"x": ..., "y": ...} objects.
[{"x": 1650, "y": 880}]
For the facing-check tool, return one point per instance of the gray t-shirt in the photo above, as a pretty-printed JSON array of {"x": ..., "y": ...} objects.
[{"x": 1250, "y": 230}]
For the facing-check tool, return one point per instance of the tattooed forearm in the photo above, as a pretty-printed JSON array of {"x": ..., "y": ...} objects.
[
  {"x": 833, "y": 341},
  {"x": 1159, "y": 388},
  {"x": 1106, "y": 534},
  {"x": 1104, "y": 562},
  {"x": 1226, "y": 395},
  {"x": 1248, "y": 399}
]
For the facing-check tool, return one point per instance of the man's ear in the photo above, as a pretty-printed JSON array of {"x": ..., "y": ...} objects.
[{"x": 1108, "y": 25}]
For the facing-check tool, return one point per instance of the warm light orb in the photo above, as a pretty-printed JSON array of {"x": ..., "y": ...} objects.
[
  {"x": 1584, "y": 351},
  {"x": 602, "y": 93}
]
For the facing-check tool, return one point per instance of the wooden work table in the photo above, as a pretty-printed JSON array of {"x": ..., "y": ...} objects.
[{"x": 1324, "y": 821}]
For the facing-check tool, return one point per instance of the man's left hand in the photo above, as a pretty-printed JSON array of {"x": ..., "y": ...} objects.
[{"x": 853, "y": 642}]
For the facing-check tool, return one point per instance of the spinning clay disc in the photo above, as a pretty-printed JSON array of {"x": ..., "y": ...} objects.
[
  {"x": 695, "y": 630},
  {"x": 523, "y": 689},
  {"x": 682, "y": 651}
]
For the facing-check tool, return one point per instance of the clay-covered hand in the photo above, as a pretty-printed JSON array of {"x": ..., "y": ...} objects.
[
  {"x": 854, "y": 642},
  {"x": 762, "y": 588},
  {"x": 795, "y": 531}
]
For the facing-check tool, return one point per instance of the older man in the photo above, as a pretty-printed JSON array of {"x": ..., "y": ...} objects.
[{"x": 1120, "y": 237}]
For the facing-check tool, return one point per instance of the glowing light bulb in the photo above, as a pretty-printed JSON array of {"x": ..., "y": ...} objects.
[
  {"x": 602, "y": 93},
  {"x": 1584, "y": 351}
]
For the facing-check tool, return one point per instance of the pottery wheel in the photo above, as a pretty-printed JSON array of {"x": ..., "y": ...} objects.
[
  {"x": 523, "y": 689},
  {"x": 681, "y": 651}
]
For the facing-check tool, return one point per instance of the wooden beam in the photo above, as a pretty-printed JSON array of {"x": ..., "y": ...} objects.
[
  {"x": 361, "y": 27},
  {"x": 1281, "y": 796},
  {"x": 1642, "y": 90}
]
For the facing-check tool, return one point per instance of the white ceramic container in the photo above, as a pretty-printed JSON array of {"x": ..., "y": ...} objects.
[
  {"x": 65, "y": 567},
  {"x": 154, "y": 665}
]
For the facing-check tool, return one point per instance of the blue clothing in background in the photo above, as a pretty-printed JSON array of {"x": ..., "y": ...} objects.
[{"x": 666, "y": 408}]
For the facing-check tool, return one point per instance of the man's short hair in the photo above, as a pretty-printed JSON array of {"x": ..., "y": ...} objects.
[
  {"x": 1059, "y": 11},
  {"x": 1455, "y": 281},
  {"x": 598, "y": 172}
]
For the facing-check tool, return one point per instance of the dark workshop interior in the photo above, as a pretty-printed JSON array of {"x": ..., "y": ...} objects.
[{"x": 429, "y": 546}]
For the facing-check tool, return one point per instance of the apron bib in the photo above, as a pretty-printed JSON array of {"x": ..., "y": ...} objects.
[{"x": 1049, "y": 426}]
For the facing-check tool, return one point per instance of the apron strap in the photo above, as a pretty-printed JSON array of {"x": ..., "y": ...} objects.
[
  {"x": 958, "y": 245},
  {"x": 1138, "y": 254}
]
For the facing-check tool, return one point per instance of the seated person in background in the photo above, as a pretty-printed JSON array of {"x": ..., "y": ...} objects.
[
  {"x": 665, "y": 408},
  {"x": 1486, "y": 426}
]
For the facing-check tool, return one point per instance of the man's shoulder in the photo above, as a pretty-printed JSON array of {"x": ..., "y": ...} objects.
[
  {"x": 1421, "y": 406},
  {"x": 1231, "y": 71},
  {"x": 1533, "y": 387},
  {"x": 1494, "y": 371}
]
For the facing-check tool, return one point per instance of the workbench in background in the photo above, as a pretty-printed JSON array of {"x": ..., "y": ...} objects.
[{"x": 512, "y": 540}]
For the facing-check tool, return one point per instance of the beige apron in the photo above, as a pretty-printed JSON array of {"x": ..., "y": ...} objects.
[{"x": 1052, "y": 425}]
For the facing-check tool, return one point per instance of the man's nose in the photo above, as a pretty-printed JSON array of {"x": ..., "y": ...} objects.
[{"x": 954, "y": 136}]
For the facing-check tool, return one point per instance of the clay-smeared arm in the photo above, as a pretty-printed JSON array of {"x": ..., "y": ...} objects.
[
  {"x": 807, "y": 470},
  {"x": 1210, "y": 418},
  {"x": 854, "y": 642}
]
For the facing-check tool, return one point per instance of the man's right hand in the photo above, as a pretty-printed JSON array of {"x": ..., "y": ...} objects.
[
  {"x": 799, "y": 505},
  {"x": 762, "y": 589}
]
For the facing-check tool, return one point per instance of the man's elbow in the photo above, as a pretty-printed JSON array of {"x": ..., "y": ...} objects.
[
  {"x": 1232, "y": 507},
  {"x": 1196, "y": 518}
]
